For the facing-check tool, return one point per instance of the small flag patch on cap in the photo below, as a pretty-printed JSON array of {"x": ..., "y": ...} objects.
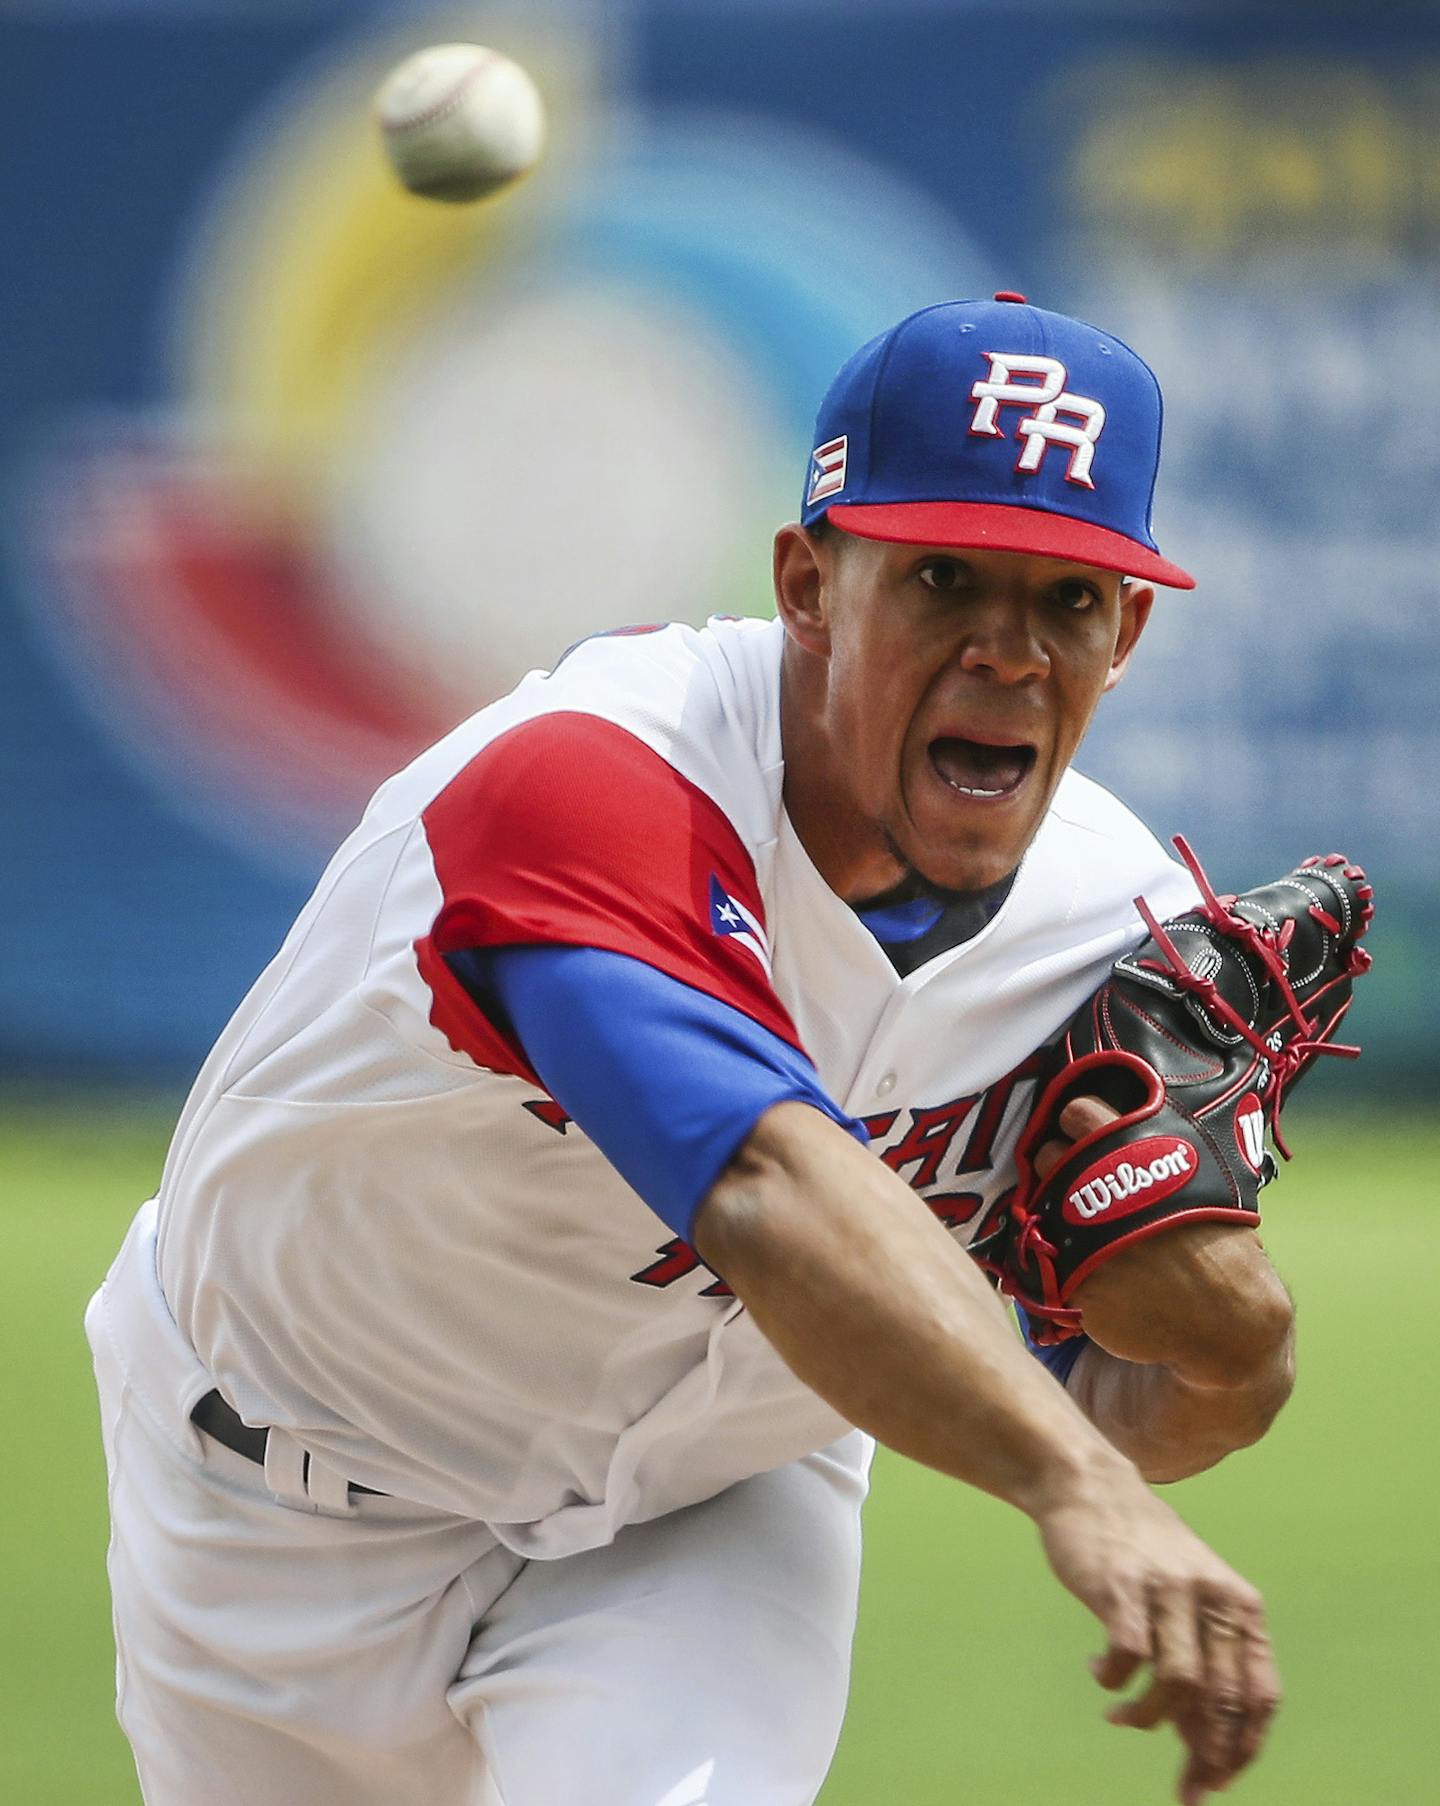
[{"x": 827, "y": 468}]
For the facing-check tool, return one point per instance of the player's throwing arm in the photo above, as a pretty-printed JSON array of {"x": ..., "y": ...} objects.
[{"x": 877, "y": 1309}]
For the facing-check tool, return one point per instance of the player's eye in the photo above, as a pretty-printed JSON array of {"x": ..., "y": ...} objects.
[
  {"x": 944, "y": 574},
  {"x": 1075, "y": 595}
]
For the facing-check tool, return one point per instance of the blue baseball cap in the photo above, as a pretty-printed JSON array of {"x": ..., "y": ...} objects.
[{"x": 994, "y": 424}]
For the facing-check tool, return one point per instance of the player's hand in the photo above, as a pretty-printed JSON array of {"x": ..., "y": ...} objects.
[{"x": 1166, "y": 1599}]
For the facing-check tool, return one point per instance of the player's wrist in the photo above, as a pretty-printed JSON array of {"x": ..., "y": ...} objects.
[{"x": 1081, "y": 1474}]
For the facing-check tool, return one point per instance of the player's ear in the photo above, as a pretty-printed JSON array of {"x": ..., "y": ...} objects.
[
  {"x": 802, "y": 566},
  {"x": 1136, "y": 601}
]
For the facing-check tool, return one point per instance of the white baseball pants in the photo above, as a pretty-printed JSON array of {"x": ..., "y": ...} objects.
[{"x": 377, "y": 1653}]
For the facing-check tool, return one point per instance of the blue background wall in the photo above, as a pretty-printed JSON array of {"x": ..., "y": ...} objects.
[{"x": 1248, "y": 193}]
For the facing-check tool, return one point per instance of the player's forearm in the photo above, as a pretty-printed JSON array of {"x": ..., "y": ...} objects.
[
  {"x": 1171, "y": 1426},
  {"x": 1194, "y": 1354},
  {"x": 873, "y": 1305}
]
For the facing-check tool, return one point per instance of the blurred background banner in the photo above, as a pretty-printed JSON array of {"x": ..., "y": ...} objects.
[{"x": 296, "y": 471}]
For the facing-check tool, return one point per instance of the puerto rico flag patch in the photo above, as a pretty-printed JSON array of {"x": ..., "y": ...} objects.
[
  {"x": 730, "y": 917},
  {"x": 827, "y": 468}
]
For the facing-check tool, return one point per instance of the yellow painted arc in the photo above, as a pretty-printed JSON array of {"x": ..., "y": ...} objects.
[{"x": 316, "y": 261}]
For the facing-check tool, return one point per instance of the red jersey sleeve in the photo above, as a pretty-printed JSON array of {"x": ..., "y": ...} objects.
[{"x": 569, "y": 830}]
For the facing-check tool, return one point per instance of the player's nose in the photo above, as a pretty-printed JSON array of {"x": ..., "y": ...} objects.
[{"x": 999, "y": 640}]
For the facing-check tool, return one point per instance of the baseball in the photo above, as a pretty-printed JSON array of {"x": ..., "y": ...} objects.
[{"x": 459, "y": 121}]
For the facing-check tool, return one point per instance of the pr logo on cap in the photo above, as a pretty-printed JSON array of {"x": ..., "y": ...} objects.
[
  {"x": 999, "y": 426},
  {"x": 1048, "y": 399}
]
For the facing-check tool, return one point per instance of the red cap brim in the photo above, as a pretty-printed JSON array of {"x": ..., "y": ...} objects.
[{"x": 994, "y": 527}]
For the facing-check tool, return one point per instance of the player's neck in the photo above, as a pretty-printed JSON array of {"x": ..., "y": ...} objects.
[{"x": 852, "y": 855}]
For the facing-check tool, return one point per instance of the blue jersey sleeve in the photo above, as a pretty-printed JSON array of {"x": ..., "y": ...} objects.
[
  {"x": 1059, "y": 1357},
  {"x": 664, "y": 1079}
]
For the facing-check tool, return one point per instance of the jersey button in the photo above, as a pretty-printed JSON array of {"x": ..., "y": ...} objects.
[{"x": 886, "y": 1084}]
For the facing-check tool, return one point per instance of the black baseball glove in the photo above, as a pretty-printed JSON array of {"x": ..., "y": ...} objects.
[{"x": 1195, "y": 1039}]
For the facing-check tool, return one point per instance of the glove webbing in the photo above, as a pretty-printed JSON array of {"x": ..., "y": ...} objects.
[{"x": 1268, "y": 947}]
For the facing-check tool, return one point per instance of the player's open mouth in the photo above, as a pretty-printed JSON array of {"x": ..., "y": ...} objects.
[{"x": 976, "y": 769}]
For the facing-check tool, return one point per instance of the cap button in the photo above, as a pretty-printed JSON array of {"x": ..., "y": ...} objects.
[{"x": 1009, "y": 294}]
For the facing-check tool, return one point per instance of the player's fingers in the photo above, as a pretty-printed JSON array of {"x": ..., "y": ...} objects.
[
  {"x": 1262, "y": 1692},
  {"x": 1242, "y": 1683},
  {"x": 1049, "y": 1155},
  {"x": 1085, "y": 1115},
  {"x": 1239, "y": 1697},
  {"x": 1129, "y": 1630},
  {"x": 1179, "y": 1663},
  {"x": 1081, "y": 1116},
  {"x": 1224, "y": 1706},
  {"x": 1114, "y": 1668},
  {"x": 1146, "y": 1710},
  {"x": 1197, "y": 1780}
]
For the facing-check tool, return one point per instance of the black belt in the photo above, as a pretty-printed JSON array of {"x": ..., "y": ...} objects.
[{"x": 215, "y": 1418}]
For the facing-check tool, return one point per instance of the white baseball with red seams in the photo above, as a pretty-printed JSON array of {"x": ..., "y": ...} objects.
[{"x": 459, "y": 121}]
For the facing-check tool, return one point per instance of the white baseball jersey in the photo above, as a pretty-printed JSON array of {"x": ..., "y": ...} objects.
[{"x": 379, "y": 1233}]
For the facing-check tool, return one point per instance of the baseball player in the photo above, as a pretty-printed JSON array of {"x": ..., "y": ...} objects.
[{"x": 488, "y": 1394}]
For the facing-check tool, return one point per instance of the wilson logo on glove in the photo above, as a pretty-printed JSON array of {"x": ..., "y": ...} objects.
[{"x": 1131, "y": 1178}]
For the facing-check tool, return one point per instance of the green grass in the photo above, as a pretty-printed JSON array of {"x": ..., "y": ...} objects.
[
  {"x": 69, "y": 1183},
  {"x": 970, "y": 1682}
]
